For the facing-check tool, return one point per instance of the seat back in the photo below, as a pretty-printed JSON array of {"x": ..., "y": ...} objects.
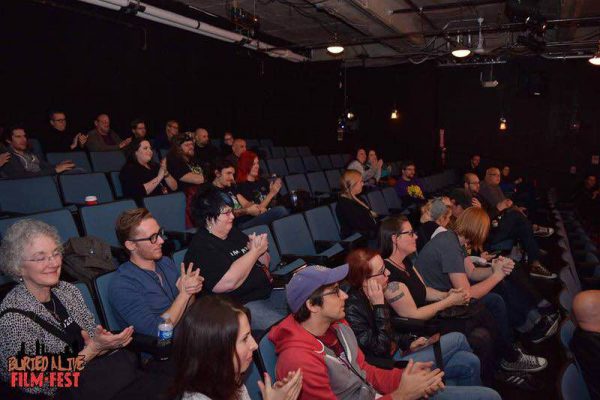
[
  {"x": 311, "y": 164},
  {"x": 116, "y": 184},
  {"x": 76, "y": 187},
  {"x": 79, "y": 158},
  {"x": 333, "y": 207},
  {"x": 36, "y": 147},
  {"x": 107, "y": 161},
  {"x": 297, "y": 182},
  {"x": 324, "y": 161},
  {"x": 273, "y": 250},
  {"x": 277, "y": 152},
  {"x": 391, "y": 198},
  {"x": 251, "y": 382},
  {"x": 266, "y": 142},
  {"x": 178, "y": 257},
  {"x": 277, "y": 166},
  {"x": 266, "y": 349},
  {"x": 565, "y": 298},
  {"x": 291, "y": 151},
  {"x": 295, "y": 165},
  {"x": 378, "y": 203},
  {"x": 100, "y": 220},
  {"x": 321, "y": 224},
  {"x": 566, "y": 334},
  {"x": 572, "y": 385},
  {"x": 346, "y": 157},
  {"x": 168, "y": 210},
  {"x": 263, "y": 170},
  {"x": 333, "y": 178},
  {"x": 251, "y": 144},
  {"x": 102, "y": 286},
  {"x": 29, "y": 195},
  {"x": 318, "y": 182},
  {"x": 337, "y": 161},
  {"x": 292, "y": 235},
  {"x": 89, "y": 301},
  {"x": 304, "y": 151},
  {"x": 61, "y": 219}
]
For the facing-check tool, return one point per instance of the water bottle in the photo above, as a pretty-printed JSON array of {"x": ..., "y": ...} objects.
[
  {"x": 165, "y": 334},
  {"x": 294, "y": 198}
]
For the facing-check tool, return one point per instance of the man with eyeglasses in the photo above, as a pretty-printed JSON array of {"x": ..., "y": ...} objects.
[
  {"x": 58, "y": 138},
  {"x": 149, "y": 285},
  {"x": 317, "y": 339}
]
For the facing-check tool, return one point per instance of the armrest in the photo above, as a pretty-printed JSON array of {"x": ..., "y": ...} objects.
[
  {"x": 319, "y": 260},
  {"x": 322, "y": 245}
]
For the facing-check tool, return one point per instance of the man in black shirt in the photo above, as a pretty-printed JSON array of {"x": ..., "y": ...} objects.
[
  {"x": 239, "y": 146},
  {"x": 138, "y": 128},
  {"x": 182, "y": 164},
  {"x": 586, "y": 339},
  {"x": 57, "y": 138},
  {"x": 205, "y": 153}
]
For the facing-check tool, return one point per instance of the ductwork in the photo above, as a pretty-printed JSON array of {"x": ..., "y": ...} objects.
[{"x": 165, "y": 17}]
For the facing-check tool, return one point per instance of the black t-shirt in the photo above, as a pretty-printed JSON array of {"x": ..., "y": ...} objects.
[
  {"x": 214, "y": 256},
  {"x": 354, "y": 218},
  {"x": 409, "y": 277},
  {"x": 69, "y": 326},
  {"x": 54, "y": 141},
  {"x": 206, "y": 156},
  {"x": 133, "y": 176},
  {"x": 178, "y": 167},
  {"x": 254, "y": 191}
]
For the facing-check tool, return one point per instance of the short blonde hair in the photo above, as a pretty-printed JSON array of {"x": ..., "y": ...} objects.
[
  {"x": 426, "y": 211},
  {"x": 474, "y": 225},
  {"x": 349, "y": 178}
]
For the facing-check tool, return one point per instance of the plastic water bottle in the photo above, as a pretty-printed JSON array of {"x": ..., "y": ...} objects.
[{"x": 165, "y": 334}]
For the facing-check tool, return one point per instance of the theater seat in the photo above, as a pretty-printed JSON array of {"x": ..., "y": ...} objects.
[
  {"x": 324, "y": 162},
  {"x": 75, "y": 188},
  {"x": 337, "y": 161},
  {"x": 107, "y": 161},
  {"x": 297, "y": 182},
  {"x": 322, "y": 226},
  {"x": 277, "y": 166},
  {"x": 100, "y": 220},
  {"x": 318, "y": 183},
  {"x": 311, "y": 164},
  {"x": 378, "y": 203},
  {"x": 29, "y": 195},
  {"x": 61, "y": 219},
  {"x": 102, "y": 286},
  {"x": 89, "y": 301},
  {"x": 266, "y": 349},
  {"x": 295, "y": 165},
  {"x": 572, "y": 385},
  {"x": 78, "y": 157},
  {"x": 333, "y": 178}
]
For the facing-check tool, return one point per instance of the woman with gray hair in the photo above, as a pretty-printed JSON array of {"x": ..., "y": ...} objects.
[
  {"x": 42, "y": 311},
  {"x": 435, "y": 217}
]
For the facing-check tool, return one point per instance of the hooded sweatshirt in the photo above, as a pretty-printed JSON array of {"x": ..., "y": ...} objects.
[{"x": 325, "y": 375}]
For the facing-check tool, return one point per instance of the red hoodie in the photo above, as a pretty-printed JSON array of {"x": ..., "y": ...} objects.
[{"x": 297, "y": 348}]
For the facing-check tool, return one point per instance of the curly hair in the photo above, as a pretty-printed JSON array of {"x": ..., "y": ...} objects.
[{"x": 19, "y": 235}]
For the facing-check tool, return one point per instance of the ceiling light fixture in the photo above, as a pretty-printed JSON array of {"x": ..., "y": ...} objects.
[
  {"x": 460, "y": 51},
  {"x": 595, "y": 60},
  {"x": 503, "y": 126},
  {"x": 395, "y": 114},
  {"x": 335, "y": 48}
]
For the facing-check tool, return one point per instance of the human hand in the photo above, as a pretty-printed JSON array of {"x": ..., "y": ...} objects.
[
  {"x": 502, "y": 265},
  {"x": 189, "y": 282},
  {"x": 4, "y": 158},
  {"x": 417, "y": 343},
  {"x": 65, "y": 165},
  {"x": 457, "y": 297},
  {"x": 253, "y": 210},
  {"x": 475, "y": 203},
  {"x": 104, "y": 340},
  {"x": 518, "y": 181},
  {"x": 125, "y": 143},
  {"x": 374, "y": 292},
  {"x": 75, "y": 141},
  {"x": 259, "y": 244},
  {"x": 275, "y": 186},
  {"x": 486, "y": 256},
  {"x": 287, "y": 389},
  {"x": 163, "y": 167},
  {"x": 82, "y": 139},
  {"x": 265, "y": 259},
  {"x": 418, "y": 381},
  {"x": 380, "y": 163}
]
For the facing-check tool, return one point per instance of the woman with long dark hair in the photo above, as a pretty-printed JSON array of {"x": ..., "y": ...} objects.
[{"x": 213, "y": 349}]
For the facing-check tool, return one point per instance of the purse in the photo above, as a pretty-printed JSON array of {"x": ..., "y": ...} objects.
[{"x": 462, "y": 312}]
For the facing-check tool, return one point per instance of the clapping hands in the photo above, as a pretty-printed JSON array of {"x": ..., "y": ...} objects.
[
  {"x": 189, "y": 282},
  {"x": 286, "y": 389},
  {"x": 258, "y": 243}
]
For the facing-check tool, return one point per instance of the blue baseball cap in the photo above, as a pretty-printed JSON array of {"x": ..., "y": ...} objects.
[{"x": 304, "y": 283}]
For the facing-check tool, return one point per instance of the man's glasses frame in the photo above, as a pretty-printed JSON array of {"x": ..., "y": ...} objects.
[{"x": 152, "y": 238}]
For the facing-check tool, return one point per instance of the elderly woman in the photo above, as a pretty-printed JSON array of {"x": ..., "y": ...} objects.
[
  {"x": 140, "y": 176},
  {"x": 232, "y": 262},
  {"x": 353, "y": 213},
  {"x": 31, "y": 253},
  {"x": 251, "y": 185}
]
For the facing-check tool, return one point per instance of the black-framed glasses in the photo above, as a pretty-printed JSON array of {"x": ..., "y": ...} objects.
[
  {"x": 410, "y": 233},
  {"x": 381, "y": 272},
  {"x": 335, "y": 290},
  {"x": 152, "y": 238}
]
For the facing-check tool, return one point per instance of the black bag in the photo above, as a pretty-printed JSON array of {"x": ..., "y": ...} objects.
[
  {"x": 87, "y": 257},
  {"x": 462, "y": 312}
]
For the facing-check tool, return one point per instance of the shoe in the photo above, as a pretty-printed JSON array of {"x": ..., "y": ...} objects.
[
  {"x": 525, "y": 363},
  {"x": 519, "y": 380},
  {"x": 539, "y": 271},
  {"x": 545, "y": 328},
  {"x": 543, "y": 231}
]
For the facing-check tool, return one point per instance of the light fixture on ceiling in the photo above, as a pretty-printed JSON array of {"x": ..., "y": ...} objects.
[
  {"x": 595, "y": 60},
  {"x": 395, "y": 114},
  {"x": 503, "y": 125},
  {"x": 460, "y": 50},
  {"x": 350, "y": 114},
  {"x": 335, "y": 47}
]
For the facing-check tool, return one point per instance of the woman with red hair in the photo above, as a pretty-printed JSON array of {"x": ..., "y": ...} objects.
[{"x": 251, "y": 185}]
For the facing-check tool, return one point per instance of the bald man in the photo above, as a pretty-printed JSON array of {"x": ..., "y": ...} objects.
[
  {"x": 238, "y": 147},
  {"x": 204, "y": 152},
  {"x": 586, "y": 339}
]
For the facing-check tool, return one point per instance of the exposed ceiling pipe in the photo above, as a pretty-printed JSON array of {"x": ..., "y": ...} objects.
[{"x": 165, "y": 17}]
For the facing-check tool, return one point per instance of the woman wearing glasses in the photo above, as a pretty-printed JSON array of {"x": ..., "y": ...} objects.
[
  {"x": 43, "y": 309},
  {"x": 232, "y": 262},
  {"x": 367, "y": 312}
]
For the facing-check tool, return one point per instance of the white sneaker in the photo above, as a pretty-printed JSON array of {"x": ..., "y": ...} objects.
[{"x": 525, "y": 363}]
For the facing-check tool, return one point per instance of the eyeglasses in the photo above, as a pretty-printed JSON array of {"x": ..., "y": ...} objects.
[
  {"x": 59, "y": 120},
  {"x": 56, "y": 255},
  {"x": 227, "y": 212},
  {"x": 153, "y": 238},
  {"x": 381, "y": 272},
  {"x": 335, "y": 291},
  {"x": 410, "y": 233}
]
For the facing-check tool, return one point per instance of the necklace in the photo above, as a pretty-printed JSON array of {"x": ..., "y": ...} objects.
[
  {"x": 400, "y": 266},
  {"x": 53, "y": 311}
]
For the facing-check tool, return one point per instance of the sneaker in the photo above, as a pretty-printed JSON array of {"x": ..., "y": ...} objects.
[
  {"x": 525, "y": 363},
  {"x": 519, "y": 380},
  {"x": 539, "y": 271},
  {"x": 543, "y": 231},
  {"x": 545, "y": 328}
]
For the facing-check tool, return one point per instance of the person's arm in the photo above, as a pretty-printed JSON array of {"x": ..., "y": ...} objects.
[
  {"x": 400, "y": 299},
  {"x": 248, "y": 208},
  {"x": 474, "y": 273},
  {"x": 385, "y": 381},
  {"x": 274, "y": 188},
  {"x": 152, "y": 184},
  {"x": 240, "y": 268},
  {"x": 431, "y": 294},
  {"x": 376, "y": 339},
  {"x": 14, "y": 169},
  {"x": 171, "y": 182},
  {"x": 193, "y": 178}
]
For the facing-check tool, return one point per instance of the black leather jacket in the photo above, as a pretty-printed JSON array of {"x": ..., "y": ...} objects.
[{"x": 372, "y": 326}]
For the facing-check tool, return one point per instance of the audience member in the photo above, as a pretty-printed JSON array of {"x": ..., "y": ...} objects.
[
  {"x": 141, "y": 176},
  {"x": 368, "y": 313},
  {"x": 233, "y": 262},
  {"x": 205, "y": 153},
  {"x": 507, "y": 183},
  {"x": 510, "y": 223},
  {"x": 317, "y": 339},
  {"x": 22, "y": 163},
  {"x": 248, "y": 213},
  {"x": 587, "y": 200},
  {"x": 216, "y": 332},
  {"x": 251, "y": 185},
  {"x": 185, "y": 170},
  {"x": 474, "y": 166},
  {"x": 227, "y": 144},
  {"x": 376, "y": 163},
  {"x": 42, "y": 310},
  {"x": 138, "y": 129},
  {"x": 352, "y": 213},
  {"x": 163, "y": 141},
  {"x": 370, "y": 174},
  {"x": 238, "y": 147},
  {"x": 435, "y": 217},
  {"x": 57, "y": 138},
  {"x": 586, "y": 338},
  {"x": 408, "y": 188},
  {"x": 102, "y": 138},
  {"x": 4, "y": 157},
  {"x": 443, "y": 264}
]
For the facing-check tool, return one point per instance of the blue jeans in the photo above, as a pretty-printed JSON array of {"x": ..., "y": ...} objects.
[
  {"x": 461, "y": 366},
  {"x": 467, "y": 393},
  {"x": 265, "y": 313},
  {"x": 504, "y": 340},
  {"x": 271, "y": 215}
]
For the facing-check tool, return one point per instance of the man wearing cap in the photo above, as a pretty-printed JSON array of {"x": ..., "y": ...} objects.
[{"x": 316, "y": 338}]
